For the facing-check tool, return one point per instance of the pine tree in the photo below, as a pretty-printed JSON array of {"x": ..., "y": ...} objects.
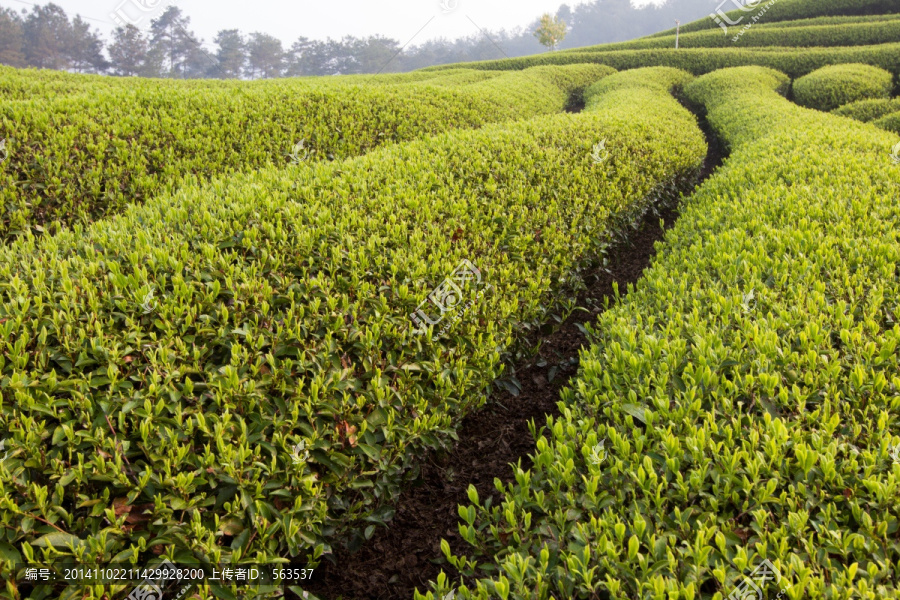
[
  {"x": 265, "y": 56},
  {"x": 129, "y": 52},
  {"x": 85, "y": 48},
  {"x": 378, "y": 54},
  {"x": 12, "y": 38},
  {"x": 47, "y": 34},
  {"x": 175, "y": 47},
  {"x": 231, "y": 55},
  {"x": 308, "y": 57}
]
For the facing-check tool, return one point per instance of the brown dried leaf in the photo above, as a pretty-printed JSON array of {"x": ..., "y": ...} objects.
[
  {"x": 121, "y": 506},
  {"x": 139, "y": 513}
]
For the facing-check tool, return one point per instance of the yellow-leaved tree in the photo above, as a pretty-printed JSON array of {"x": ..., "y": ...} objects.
[{"x": 551, "y": 31}]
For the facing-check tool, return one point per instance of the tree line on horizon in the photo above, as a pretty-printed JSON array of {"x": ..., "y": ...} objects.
[{"x": 45, "y": 37}]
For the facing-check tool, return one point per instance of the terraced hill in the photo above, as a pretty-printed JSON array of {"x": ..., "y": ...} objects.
[{"x": 792, "y": 36}]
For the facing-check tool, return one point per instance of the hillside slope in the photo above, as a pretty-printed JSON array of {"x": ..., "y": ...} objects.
[{"x": 792, "y": 36}]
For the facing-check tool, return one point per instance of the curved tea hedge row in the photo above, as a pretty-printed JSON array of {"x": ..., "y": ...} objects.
[
  {"x": 80, "y": 157},
  {"x": 812, "y": 22},
  {"x": 850, "y": 34},
  {"x": 868, "y": 110},
  {"x": 741, "y": 403},
  {"x": 229, "y": 371},
  {"x": 889, "y": 123},
  {"x": 790, "y": 10},
  {"x": 459, "y": 77},
  {"x": 24, "y": 84},
  {"x": 795, "y": 62},
  {"x": 836, "y": 85}
]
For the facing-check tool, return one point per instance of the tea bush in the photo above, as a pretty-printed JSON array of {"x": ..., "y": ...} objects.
[
  {"x": 868, "y": 110},
  {"x": 850, "y": 34},
  {"x": 228, "y": 372},
  {"x": 458, "y": 77},
  {"x": 741, "y": 402},
  {"x": 890, "y": 122},
  {"x": 791, "y": 10},
  {"x": 79, "y": 157},
  {"x": 794, "y": 62},
  {"x": 836, "y": 85},
  {"x": 25, "y": 84}
]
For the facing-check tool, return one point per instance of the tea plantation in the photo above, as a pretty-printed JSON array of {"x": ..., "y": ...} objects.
[{"x": 221, "y": 315}]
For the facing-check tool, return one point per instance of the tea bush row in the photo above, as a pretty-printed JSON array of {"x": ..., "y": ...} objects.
[
  {"x": 24, "y": 84},
  {"x": 792, "y": 10},
  {"x": 742, "y": 402},
  {"x": 794, "y": 62},
  {"x": 229, "y": 372},
  {"x": 836, "y": 85},
  {"x": 80, "y": 157},
  {"x": 851, "y": 34},
  {"x": 868, "y": 110},
  {"x": 890, "y": 122}
]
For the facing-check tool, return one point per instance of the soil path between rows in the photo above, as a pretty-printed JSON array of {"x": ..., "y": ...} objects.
[{"x": 406, "y": 555}]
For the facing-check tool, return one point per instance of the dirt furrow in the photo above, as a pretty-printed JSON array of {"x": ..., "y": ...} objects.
[{"x": 406, "y": 555}]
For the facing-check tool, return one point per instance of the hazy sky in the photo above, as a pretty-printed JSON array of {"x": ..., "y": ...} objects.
[{"x": 319, "y": 19}]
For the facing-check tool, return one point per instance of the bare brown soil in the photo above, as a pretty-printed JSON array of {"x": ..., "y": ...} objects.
[{"x": 406, "y": 555}]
